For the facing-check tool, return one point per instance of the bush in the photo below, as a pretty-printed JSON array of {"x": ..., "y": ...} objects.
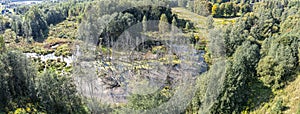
[
  {"x": 159, "y": 49},
  {"x": 63, "y": 50},
  {"x": 277, "y": 108},
  {"x": 58, "y": 94}
]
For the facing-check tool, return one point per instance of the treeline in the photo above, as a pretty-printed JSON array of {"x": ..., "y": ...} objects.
[
  {"x": 262, "y": 55},
  {"x": 33, "y": 23},
  {"x": 113, "y": 21},
  {"x": 218, "y": 8}
]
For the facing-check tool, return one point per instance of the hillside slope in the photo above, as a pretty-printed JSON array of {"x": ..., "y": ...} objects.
[{"x": 287, "y": 99}]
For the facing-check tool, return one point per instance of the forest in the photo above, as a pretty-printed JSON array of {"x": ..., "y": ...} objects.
[{"x": 151, "y": 56}]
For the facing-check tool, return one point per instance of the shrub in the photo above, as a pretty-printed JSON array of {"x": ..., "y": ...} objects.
[{"x": 277, "y": 108}]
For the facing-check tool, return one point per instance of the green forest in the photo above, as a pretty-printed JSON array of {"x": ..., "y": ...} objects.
[{"x": 150, "y": 56}]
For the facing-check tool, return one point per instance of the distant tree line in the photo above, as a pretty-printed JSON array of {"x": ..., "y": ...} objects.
[
  {"x": 113, "y": 24},
  {"x": 218, "y": 8},
  {"x": 33, "y": 23}
]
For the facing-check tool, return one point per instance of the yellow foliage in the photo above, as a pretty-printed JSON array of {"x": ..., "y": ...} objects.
[
  {"x": 197, "y": 37},
  {"x": 28, "y": 109},
  {"x": 159, "y": 49},
  {"x": 214, "y": 10},
  {"x": 20, "y": 111}
]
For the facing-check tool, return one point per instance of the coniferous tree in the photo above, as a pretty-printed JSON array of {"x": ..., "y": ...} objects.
[
  {"x": 240, "y": 71},
  {"x": 58, "y": 94},
  {"x": 245, "y": 8},
  {"x": 163, "y": 24},
  {"x": 35, "y": 21},
  {"x": 234, "y": 37},
  {"x": 17, "y": 81},
  {"x": 144, "y": 22},
  {"x": 222, "y": 9},
  {"x": 229, "y": 9},
  {"x": 237, "y": 9}
]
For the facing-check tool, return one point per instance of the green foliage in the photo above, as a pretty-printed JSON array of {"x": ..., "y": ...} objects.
[
  {"x": 291, "y": 23},
  {"x": 229, "y": 9},
  {"x": 280, "y": 62},
  {"x": 270, "y": 30},
  {"x": 9, "y": 36},
  {"x": 58, "y": 94},
  {"x": 35, "y": 24},
  {"x": 113, "y": 25},
  {"x": 237, "y": 9},
  {"x": 278, "y": 107},
  {"x": 4, "y": 23},
  {"x": 150, "y": 101},
  {"x": 266, "y": 68},
  {"x": 239, "y": 73},
  {"x": 197, "y": 101},
  {"x": 2, "y": 44},
  {"x": 159, "y": 50},
  {"x": 245, "y": 8},
  {"x": 22, "y": 89},
  {"x": 234, "y": 37},
  {"x": 17, "y": 27},
  {"x": 202, "y": 7},
  {"x": 222, "y": 9},
  {"x": 17, "y": 81},
  {"x": 63, "y": 50},
  {"x": 151, "y": 12},
  {"x": 54, "y": 17}
]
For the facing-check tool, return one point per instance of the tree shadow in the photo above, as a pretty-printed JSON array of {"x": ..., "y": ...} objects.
[{"x": 259, "y": 94}]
